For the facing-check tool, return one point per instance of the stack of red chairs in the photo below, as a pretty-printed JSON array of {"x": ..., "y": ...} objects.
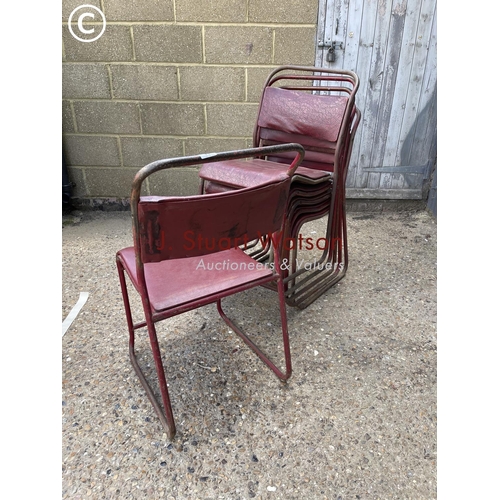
[{"x": 314, "y": 107}]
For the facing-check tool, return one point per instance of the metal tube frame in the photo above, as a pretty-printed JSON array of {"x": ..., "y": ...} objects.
[{"x": 165, "y": 414}]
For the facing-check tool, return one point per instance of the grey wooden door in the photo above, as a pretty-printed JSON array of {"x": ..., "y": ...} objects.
[{"x": 391, "y": 45}]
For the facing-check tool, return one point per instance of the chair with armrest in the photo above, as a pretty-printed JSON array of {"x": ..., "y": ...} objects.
[{"x": 164, "y": 264}]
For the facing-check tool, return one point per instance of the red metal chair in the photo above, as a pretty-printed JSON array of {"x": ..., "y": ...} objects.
[
  {"x": 316, "y": 108},
  {"x": 164, "y": 264}
]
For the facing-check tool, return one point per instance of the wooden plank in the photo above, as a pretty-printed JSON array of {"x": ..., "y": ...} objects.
[
  {"x": 374, "y": 91},
  {"x": 413, "y": 100},
  {"x": 384, "y": 194},
  {"x": 352, "y": 44},
  {"x": 332, "y": 15},
  {"x": 330, "y": 12},
  {"x": 402, "y": 82},
  {"x": 353, "y": 34},
  {"x": 403, "y": 78},
  {"x": 396, "y": 29},
  {"x": 423, "y": 145},
  {"x": 364, "y": 56},
  {"x": 340, "y": 32},
  {"x": 320, "y": 33}
]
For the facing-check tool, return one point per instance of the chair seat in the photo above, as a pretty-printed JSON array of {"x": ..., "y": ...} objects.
[
  {"x": 195, "y": 279},
  {"x": 240, "y": 173}
]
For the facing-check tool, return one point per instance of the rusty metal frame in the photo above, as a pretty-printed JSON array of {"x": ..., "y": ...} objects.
[
  {"x": 303, "y": 292},
  {"x": 318, "y": 281},
  {"x": 165, "y": 414}
]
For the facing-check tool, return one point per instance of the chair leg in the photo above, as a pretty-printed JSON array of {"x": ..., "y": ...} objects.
[
  {"x": 315, "y": 282},
  {"x": 126, "y": 302},
  {"x": 283, "y": 376},
  {"x": 166, "y": 418}
]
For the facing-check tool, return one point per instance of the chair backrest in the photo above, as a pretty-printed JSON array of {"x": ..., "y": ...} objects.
[
  {"x": 316, "y": 110},
  {"x": 178, "y": 227},
  {"x": 164, "y": 227}
]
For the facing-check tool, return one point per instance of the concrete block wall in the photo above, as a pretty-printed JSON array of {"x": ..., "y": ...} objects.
[{"x": 171, "y": 78}]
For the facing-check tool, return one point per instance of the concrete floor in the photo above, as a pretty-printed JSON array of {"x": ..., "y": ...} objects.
[{"x": 357, "y": 419}]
